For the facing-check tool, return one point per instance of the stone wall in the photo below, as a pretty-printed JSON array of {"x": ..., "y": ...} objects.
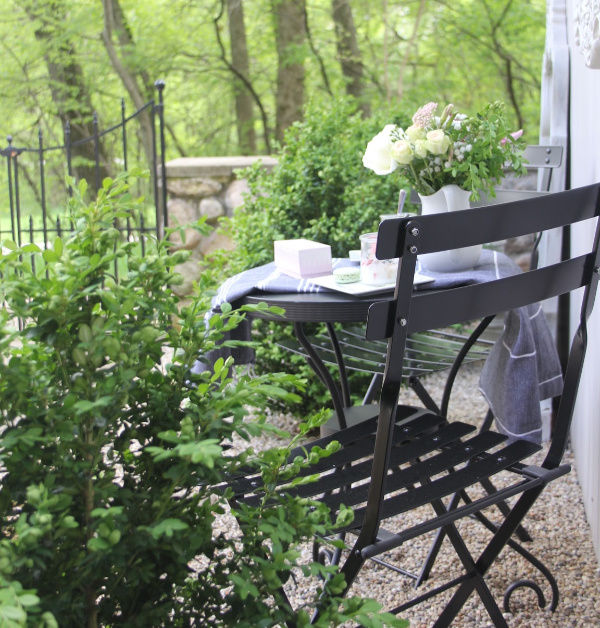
[{"x": 204, "y": 186}]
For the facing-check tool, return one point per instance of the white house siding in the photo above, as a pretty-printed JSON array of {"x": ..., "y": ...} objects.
[{"x": 585, "y": 169}]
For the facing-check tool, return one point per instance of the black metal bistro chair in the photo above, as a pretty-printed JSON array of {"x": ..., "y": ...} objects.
[{"x": 403, "y": 458}]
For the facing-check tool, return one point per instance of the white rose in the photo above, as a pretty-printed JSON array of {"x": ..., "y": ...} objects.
[
  {"x": 437, "y": 142},
  {"x": 415, "y": 132},
  {"x": 420, "y": 149},
  {"x": 402, "y": 152},
  {"x": 378, "y": 156}
]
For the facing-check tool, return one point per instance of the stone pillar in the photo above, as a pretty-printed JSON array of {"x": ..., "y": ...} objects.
[{"x": 204, "y": 186}]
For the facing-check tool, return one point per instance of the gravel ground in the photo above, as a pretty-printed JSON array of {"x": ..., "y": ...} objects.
[{"x": 561, "y": 540}]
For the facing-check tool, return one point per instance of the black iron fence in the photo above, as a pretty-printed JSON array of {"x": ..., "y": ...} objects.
[{"x": 29, "y": 217}]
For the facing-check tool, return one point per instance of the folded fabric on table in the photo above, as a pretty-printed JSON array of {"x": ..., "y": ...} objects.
[{"x": 523, "y": 360}]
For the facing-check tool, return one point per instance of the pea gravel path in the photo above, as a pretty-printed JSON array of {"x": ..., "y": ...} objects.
[{"x": 562, "y": 541}]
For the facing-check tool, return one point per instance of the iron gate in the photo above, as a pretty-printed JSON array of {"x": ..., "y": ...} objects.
[{"x": 39, "y": 226}]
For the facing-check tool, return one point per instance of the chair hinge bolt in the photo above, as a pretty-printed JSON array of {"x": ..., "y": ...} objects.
[
  {"x": 597, "y": 270},
  {"x": 413, "y": 250},
  {"x": 402, "y": 322},
  {"x": 414, "y": 231}
]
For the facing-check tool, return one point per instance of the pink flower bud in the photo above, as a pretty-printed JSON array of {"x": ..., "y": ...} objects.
[{"x": 516, "y": 135}]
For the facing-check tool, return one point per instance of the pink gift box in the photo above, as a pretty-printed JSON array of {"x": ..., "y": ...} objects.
[{"x": 302, "y": 258}]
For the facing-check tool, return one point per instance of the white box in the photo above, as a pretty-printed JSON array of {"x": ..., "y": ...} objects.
[{"x": 302, "y": 258}]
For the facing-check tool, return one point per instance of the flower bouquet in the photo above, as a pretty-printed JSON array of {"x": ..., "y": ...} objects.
[{"x": 472, "y": 152}]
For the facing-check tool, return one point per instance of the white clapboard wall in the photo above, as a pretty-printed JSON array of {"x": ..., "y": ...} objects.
[{"x": 572, "y": 66}]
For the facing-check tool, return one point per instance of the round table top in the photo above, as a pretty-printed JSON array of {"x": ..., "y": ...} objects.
[{"x": 317, "y": 307}]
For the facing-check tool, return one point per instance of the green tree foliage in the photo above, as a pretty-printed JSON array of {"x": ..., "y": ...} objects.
[
  {"x": 468, "y": 52},
  {"x": 112, "y": 450}
]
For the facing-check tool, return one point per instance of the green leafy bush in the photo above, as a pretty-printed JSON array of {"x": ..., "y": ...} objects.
[
  {"x": 321, "y": 191},
  {"x": 111, "y": 450}
]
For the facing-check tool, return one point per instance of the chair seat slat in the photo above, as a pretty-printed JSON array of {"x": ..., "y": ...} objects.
[
  {"x": 456, "y": 454},
  {"x": 342, "y": 478}
]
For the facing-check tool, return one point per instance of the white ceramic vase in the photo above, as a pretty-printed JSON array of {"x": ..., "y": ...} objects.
[{"x": 450, "y": 198}]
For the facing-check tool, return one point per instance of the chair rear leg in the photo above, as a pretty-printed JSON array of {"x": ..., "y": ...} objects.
[
  {"x": 487, "y": 558},
  {"x": 475, "y": 580},
  {"x": 436, "y": 545},
  {"x": 504, "y": 508},
  {"x": 374, "y": 389},
  {"x": 415, "y": 383}
]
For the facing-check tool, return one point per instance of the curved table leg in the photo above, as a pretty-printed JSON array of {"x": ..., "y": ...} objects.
[
  {"x": 319, "y": 367},
  {"x": 339, "y": 359}
]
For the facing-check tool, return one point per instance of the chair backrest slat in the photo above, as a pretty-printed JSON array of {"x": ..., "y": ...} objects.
[
  {"x": 542, "y": 156},
  {"x": 545, "y": 159},
  {"x": 448, "y": 307},
  {"x": 442, "y": 308},
  {"x": 440, "y": 232}
]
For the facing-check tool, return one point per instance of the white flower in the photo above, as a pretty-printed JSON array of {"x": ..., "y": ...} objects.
[
  {"x": 415, "y": 132},
  {"x": 420, "y": 149},
  {"x": 434, "y": 145},
  {"x": 402, "y": 152},
  {"x": 437, "y": 142},
  {"x": 378, "y": 155}
]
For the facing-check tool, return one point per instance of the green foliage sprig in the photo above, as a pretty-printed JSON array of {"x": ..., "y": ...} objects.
[{"x": 112, "y": 450}]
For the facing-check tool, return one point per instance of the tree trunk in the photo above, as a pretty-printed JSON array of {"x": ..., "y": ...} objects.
[
  {"x": 239, "y": 60},
  {"x": 69, "y": 91},
  {"x": 348, "y": 51},
  {"x": 411, "y": 44},
  {"x": 115, "y": 23},
  {"x": 290, "y": 28}
]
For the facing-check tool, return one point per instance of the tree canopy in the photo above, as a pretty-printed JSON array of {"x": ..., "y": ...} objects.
[{"x": 238, "y": 72}]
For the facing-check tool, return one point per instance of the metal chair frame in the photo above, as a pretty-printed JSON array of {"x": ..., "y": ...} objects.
[{"x": 402, "y": 457}]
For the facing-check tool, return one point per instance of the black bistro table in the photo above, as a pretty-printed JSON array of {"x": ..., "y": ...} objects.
[
  {"x": 521, "y": 370},
  {"x": 326, "y": 308}
]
